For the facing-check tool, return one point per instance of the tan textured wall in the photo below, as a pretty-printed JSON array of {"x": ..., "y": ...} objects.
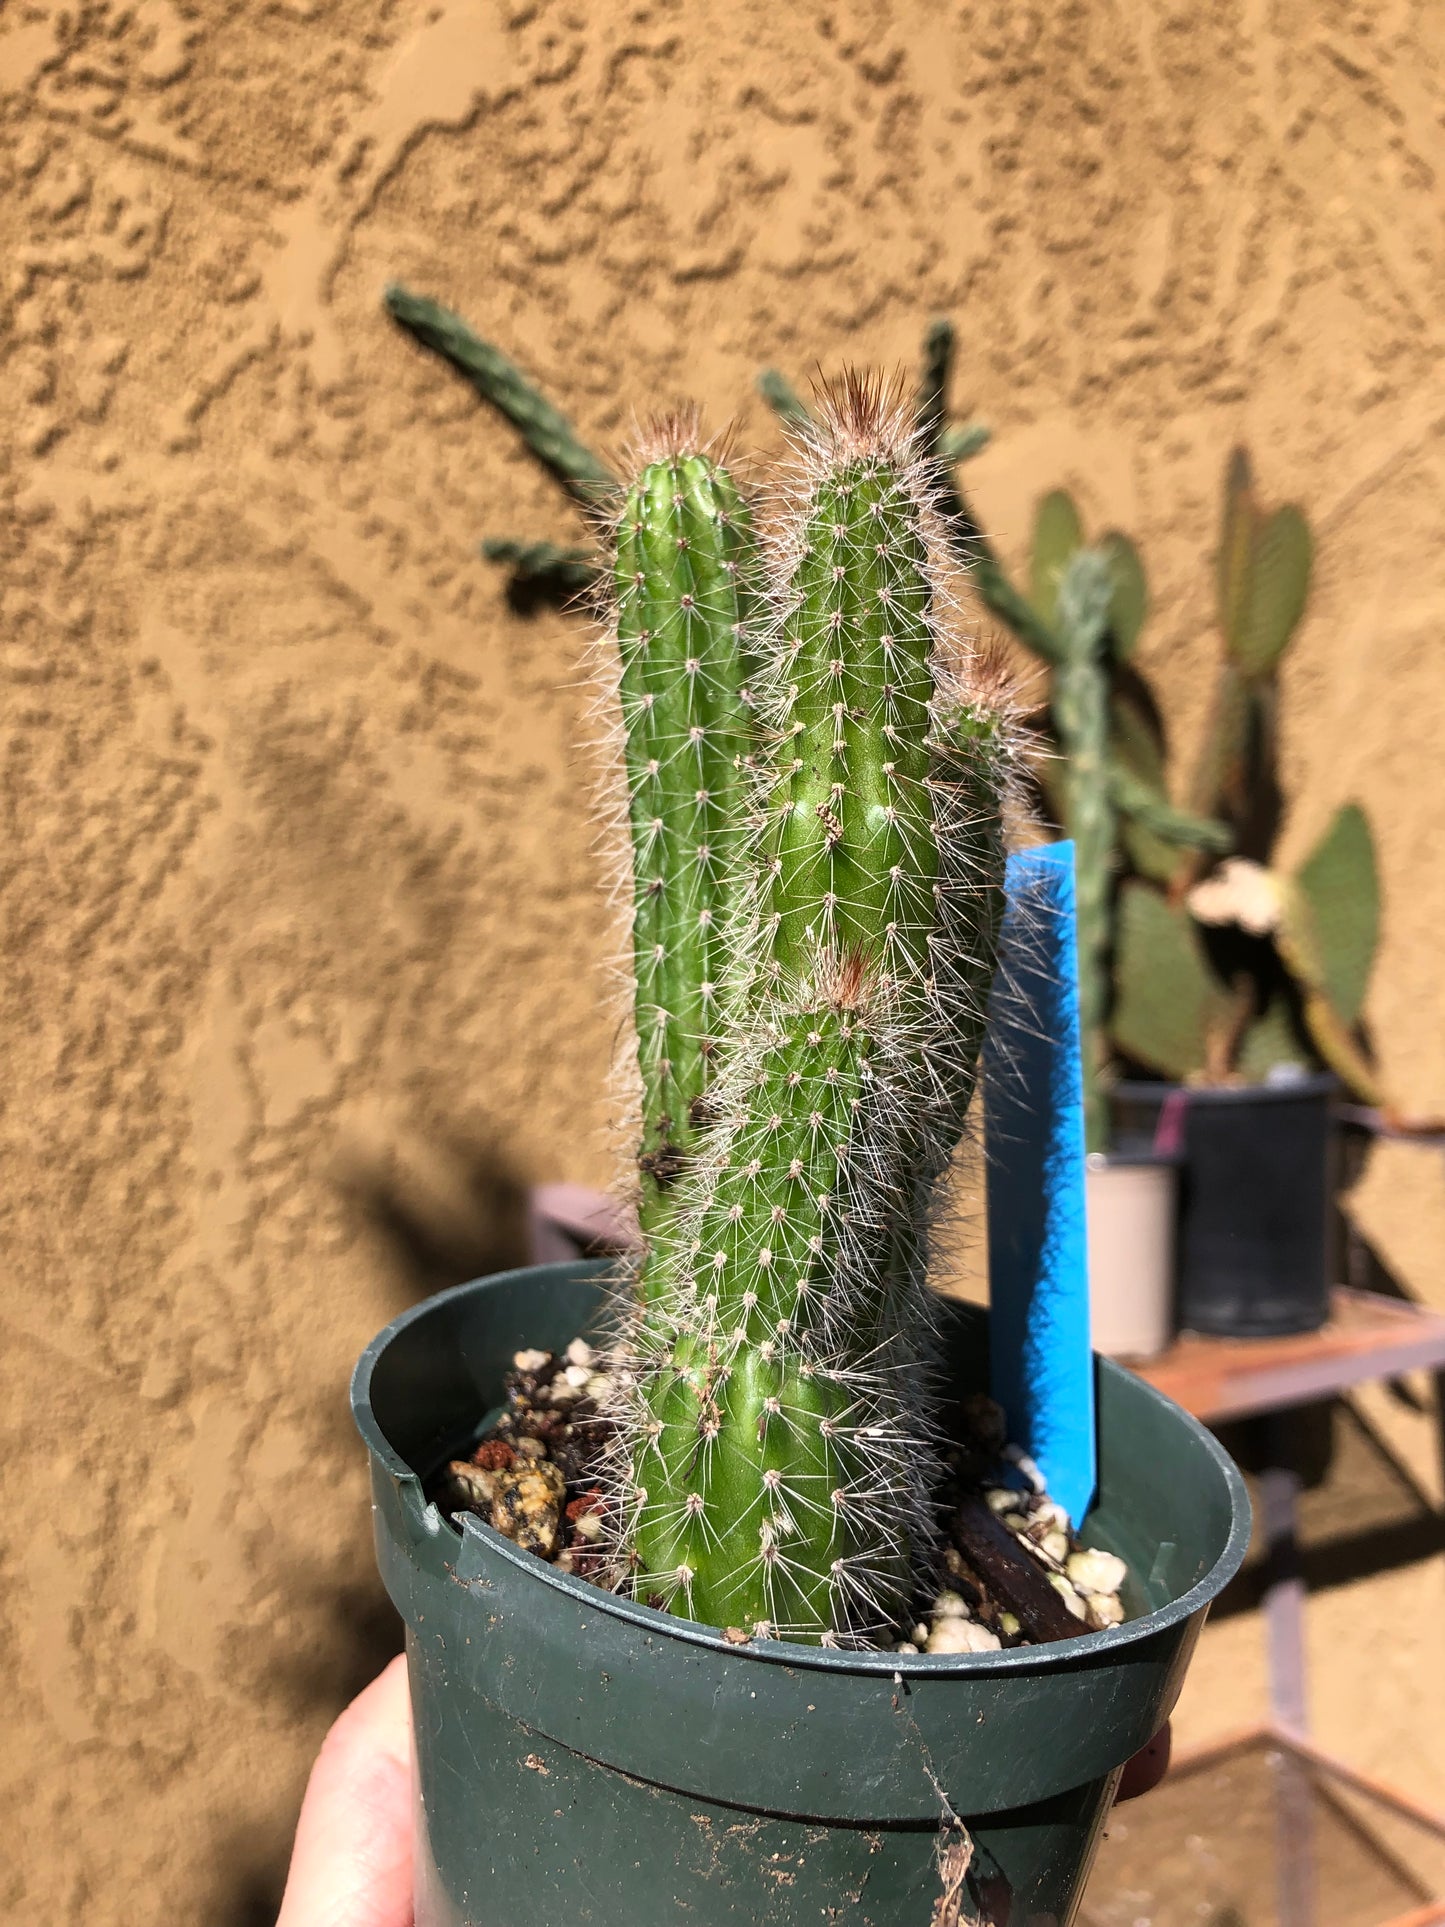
[{"x": 298, "y": 910}]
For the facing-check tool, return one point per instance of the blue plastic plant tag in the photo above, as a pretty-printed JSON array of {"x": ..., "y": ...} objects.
[{"x": 1041, "y": 1367}]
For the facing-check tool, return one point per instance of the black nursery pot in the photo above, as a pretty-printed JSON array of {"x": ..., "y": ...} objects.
[
  {"x": 585, "y": 1760},
  {"x": 1254, "y": 1202}
]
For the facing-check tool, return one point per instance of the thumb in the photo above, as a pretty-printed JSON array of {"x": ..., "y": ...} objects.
[{"x": 351, "y": 1865}]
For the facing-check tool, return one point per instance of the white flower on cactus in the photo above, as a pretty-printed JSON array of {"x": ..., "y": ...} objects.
[{"x": 1240, "y": 892}]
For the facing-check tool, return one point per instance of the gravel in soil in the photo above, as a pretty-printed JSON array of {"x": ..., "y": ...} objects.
[{"x": 1011, "y": 1571}]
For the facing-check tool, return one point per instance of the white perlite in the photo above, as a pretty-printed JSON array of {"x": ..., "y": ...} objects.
[
  {"x": 956, "y": 1635},
  {"x": 1096, "y": 1570}
]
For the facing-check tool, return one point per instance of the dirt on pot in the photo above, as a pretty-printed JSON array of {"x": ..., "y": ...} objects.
[{"x": 1010, "y": 1569}]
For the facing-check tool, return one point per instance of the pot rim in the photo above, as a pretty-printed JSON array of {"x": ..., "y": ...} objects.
[
  {"x": 1144, "y": 1158},
  {"x": 647, "y": 1619},
  {"x": 1144, "y": 1090}
]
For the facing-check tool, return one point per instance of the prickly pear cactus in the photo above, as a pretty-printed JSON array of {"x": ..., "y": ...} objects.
[
  {"x": 1262, "y": 583},
  {"x": 1169, "y": 1005},
  {"x": 687, "y": 586},
  {"x": 1328, "y": 934},
  {"x": 776, "y": 1458}
]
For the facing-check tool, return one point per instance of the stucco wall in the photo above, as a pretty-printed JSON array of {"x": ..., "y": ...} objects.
[{"x": 299, "y": 915}]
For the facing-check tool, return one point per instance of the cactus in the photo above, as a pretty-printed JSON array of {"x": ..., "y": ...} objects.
[
  {"x": 1171, "y": 1013},
  {"x": 545, "y": 429},
  {"x": 1058, "y": 537},
  {"x": 1083, "y": 615},
  {"x": 976, "y": 757},
  {"x": 1079, "y": 702},
  {"x": 776, "y": 1453},
  {"x": 1115, "y": 802},
  {"x": 549, "y": 567},
  {"x": 1322, "y": 923},
  {"x": 1081, "y": 597},
  {"x": 1338, "y": 891},
  {"x": 1174, "y": 1014},
  {"x": 756, "y": 1493},
  {"x": 1327, "y": 937},
  {"x": 1262, "y": 583},
  {"x": 687, "y": 586}
]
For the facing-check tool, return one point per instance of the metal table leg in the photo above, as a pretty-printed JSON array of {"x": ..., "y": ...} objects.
[{"x": 1284, "y": 1621}]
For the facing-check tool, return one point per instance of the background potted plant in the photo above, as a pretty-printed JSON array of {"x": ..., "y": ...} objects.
[
  {"x": 1104, "y": 786},
  {"x": 1243, "y": 983},
  {"x": 730, "y": 1727},
  {"x": 1240, "y": 985}
]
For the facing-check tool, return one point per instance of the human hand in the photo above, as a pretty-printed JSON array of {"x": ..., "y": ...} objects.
[
  {"x": 351, "y": 1865},
  {"x": 1147, "y": 1768}
]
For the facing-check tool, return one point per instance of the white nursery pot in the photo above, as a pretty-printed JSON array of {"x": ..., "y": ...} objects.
[{"x": 1131, "y": 1213}]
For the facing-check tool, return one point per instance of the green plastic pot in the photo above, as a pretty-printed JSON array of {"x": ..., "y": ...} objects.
[{"x": 585, "y": 1760}]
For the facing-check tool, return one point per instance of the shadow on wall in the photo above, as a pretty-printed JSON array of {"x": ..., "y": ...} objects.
[
  {"x": 1363, "y": 1512},
  {"x": 365, "y": 1634},
  {"x": 444, "y": 1211}
]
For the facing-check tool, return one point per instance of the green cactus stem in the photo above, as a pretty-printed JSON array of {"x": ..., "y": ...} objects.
[
  {"x": 975, "y": 765},
  {"x": 1129, "y": 604},
  {"x": 853, "y": 860},
  {"x": 758, "y": 1502},
  {"x": 1262, "y": 577},
  {"x": 1170, "y": 1010},
  {"x": 1079, "y": 703},
  {"x": 1263, "y": 574},
  {"x": 1156, "y": 815},
  {"x": 1327, "y": 937},
  {"x": 686, "y": 583},
  {"x": 497, "y": 379},
  {"x": 1058, "y": 537},
  {"x": 776, "y": 1459},
  {"x": 975, "y": 769},
  {"x": 963, "y": 441},
  {"x": 931, "y": 402},
  {"x": 784, "y": 400}
]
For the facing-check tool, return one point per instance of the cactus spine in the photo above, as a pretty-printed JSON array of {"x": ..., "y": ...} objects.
[
  {"x": 686, "y": 586},
  {"x": 777, "y": 1456}
]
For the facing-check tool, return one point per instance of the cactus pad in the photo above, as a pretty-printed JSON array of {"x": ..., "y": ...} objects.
[
  {"x": 1338, "y": 890},
  {"x": 1058, "y": 534},
  {"x": 1168, "y": 1003}
]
